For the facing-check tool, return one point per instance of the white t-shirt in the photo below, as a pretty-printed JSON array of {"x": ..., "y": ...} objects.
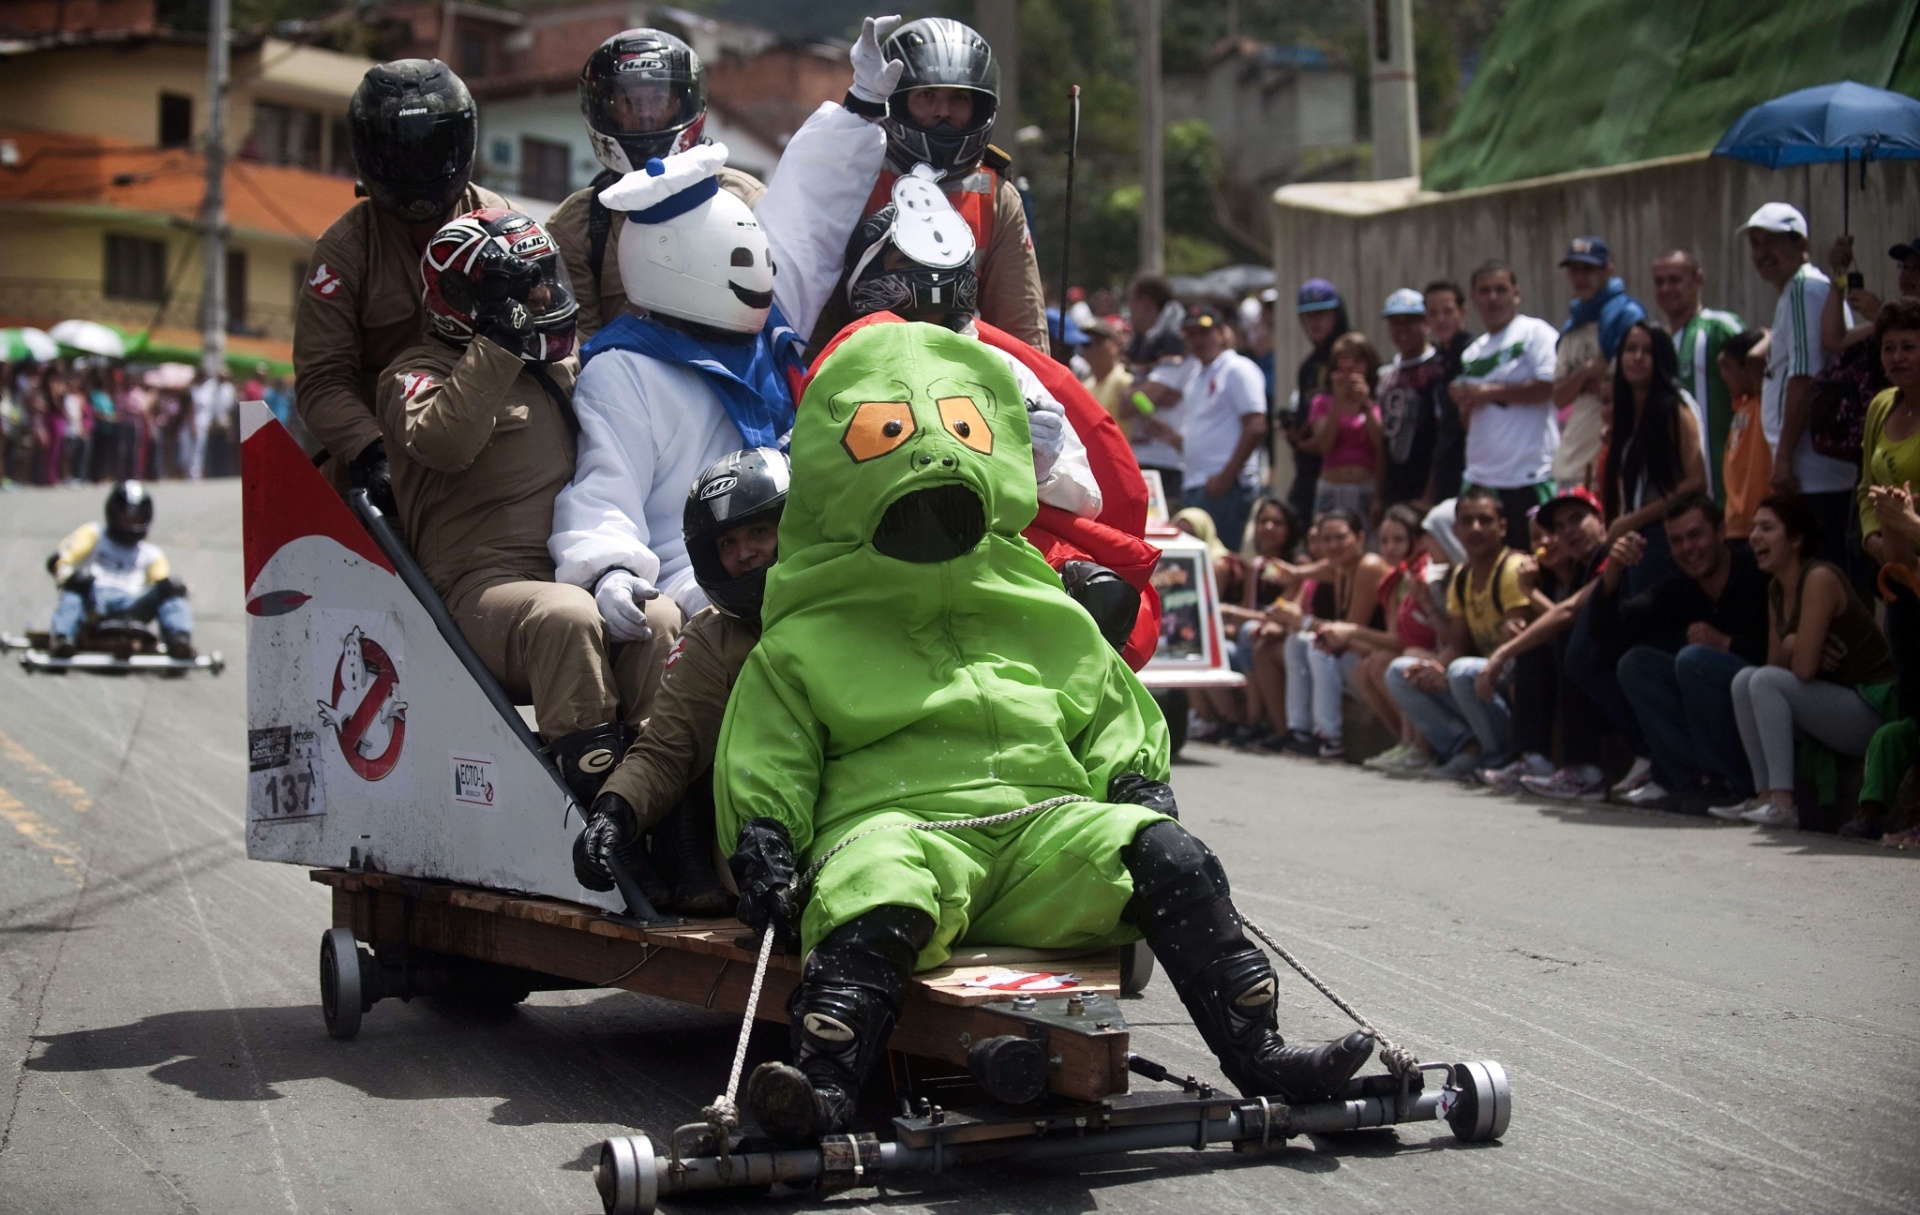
[
  {"x": 1215, "y": 397},
  {"x": 1157, "y": 453},
  {"x": 1509, "y": 446},
  {"x": 1795, "y": 349}
]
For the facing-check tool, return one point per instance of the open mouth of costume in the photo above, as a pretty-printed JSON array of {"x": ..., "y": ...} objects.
[
  {"x": 931, "y": 525},
  {"x": 752, "y": 299}
]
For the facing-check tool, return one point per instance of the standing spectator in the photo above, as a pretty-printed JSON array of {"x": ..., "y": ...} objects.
[
  {"x": 1685, "y": 638},
  {"x": 1343, "y": 430},
  {"x": 1446, "y": 329},
  {"x": 1862, "y": 304},
  {"x": 1224, "y": 424},
  {"x": 1157, "y": 318},
  {"x": 256, "y": 385},
  {"x": 1653, "y": 452},
  {"x": 1699, "y": 334},
  {"x": 213, "y": 409},
  {"x": 1596, "y": 325},
  {"x": 1320, "y": 667},
  {"x": 76, "y": 416},
  {"x": 1108, "y": 380},
  {"x": 1505, "y": 394},
  {"x": 1829, "y": 672},
  {"x": 1413, "y": 395},
  {"x": 1746, "y": 467},
  {"x": 1486, "y": 604},
  {"x": 1323, "y": 318},
  {"x": 1777, "y": 244}
]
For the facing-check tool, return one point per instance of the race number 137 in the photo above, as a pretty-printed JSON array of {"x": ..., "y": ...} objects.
[{"x": 284, "y": 780}]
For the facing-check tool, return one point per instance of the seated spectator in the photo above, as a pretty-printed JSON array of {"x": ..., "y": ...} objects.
[
  {"x": 1746, "y": 469},
  {"x": 1318, "y": 667},
  {"x": 1266, "y": 577},
  {"x": 1219, "y": 713},
  {"x": 1654, "y": 452},
  {"x": 1343, "y": 430},
  {"x": 1413, "y": 397},
  {"x": 1685, "y": 638},
  {"x": 1505, "y": 396},
  {"x": 1829, "y": 672},
  {"x": 1313, "y": 600},
  {"x": 1486, "y": 605},
  {"x": 1890, "y": 444}
]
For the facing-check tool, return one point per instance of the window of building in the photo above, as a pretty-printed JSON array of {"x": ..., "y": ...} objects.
[
  {"x": 236, "y": 291},
  {"x": 340, "y": 150},
  {"x": 284, "y": 135},
  {"x": 544, "y": 169},
  {"x": 136, "y": 268},
  {"x": 176, "y": 120},
  {"x": 473, "y": 53}
]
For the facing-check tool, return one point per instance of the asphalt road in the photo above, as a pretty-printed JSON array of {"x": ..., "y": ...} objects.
[{"x": 1696, "y": 1017}]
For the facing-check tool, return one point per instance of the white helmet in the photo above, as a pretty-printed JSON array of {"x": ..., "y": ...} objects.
[{"x": 689, "y": 249}]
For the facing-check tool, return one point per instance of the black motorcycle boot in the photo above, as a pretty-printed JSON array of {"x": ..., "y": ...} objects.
[
  {"x": 683, "y": 846},
  {"x": 841, "y": 1016},
  {"x": 587, "y": 757},
  {"x": 1182, "y": 903}
]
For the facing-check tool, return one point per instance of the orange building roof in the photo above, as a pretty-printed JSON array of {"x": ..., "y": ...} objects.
[{"x": 84, "y": 171}]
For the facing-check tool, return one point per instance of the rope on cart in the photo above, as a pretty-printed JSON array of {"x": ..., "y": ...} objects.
[
  {"x": 952, "y": 824},
  {"x": 724, "y": 1113},
  {"x": 1399, "y": 1060}
]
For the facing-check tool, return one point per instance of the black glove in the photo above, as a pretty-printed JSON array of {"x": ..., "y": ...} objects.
[
  {"x": 1133, "y": 789},
  {"x": 500, "y": 312},
  {"x": 172, "y": 588},
  {"x": 762, "y": 865},
  {"x": 80, "y": 582},
  {"x": 611, "y": 831},
  {"x": 369, "y": 471},
  {"x": 1112, "y": 601}
]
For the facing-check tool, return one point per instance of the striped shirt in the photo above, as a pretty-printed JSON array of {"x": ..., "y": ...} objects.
[
  {"x": 1699, "y": 348},
  {"x": 1795, "y": 350}
]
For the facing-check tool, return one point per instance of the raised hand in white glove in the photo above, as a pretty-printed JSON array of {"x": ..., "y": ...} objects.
[
  {"x": 620, "y": 594},
  {"x": 873, "y": 75},
  {"x": 1047, "y": 420}
]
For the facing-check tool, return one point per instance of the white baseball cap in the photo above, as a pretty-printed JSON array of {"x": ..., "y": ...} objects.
[
  {"x": 1405, "y": 302},
  {"x": 1777, "y": 217}
]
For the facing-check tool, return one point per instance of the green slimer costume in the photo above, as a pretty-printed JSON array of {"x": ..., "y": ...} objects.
[
  {"x": 920, "y": 663},
  {"x": 887, "y": 690}
]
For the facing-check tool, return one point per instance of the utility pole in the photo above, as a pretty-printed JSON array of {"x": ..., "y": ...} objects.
[
  {"x": 1000, "y": 26},
  {"x": 1153, "y": 132},
  {"x": 213, "y": 297},
  {"x": 1396, "y": 104}
]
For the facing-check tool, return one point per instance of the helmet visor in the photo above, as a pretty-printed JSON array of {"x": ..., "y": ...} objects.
[
  {"x": 420, "y": 150},
  {"x": 647, "y": 92}
]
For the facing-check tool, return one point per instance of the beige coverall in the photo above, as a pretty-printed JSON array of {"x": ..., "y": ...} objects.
[
  {"x": 569, "y": 226},
  {"x": 677, "y": 744},
  {"x": 359, "y": 307},
  {"x": 478, "y": 450}
]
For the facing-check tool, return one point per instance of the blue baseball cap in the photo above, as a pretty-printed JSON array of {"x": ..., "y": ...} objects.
[
  {"x": 1587, "y": 251},
  {"x": 1316, "y": 295},
  {"x": 1405, "y": 302},
  {"x": 1075, "y": 337}
]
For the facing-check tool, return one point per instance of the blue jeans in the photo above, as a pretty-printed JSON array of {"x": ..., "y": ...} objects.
[
  {"x": 1451, "y": 720},
  {"x": 1685, "y": 705},
  {"x": 1315, "y": 682},
  {"x": 157, "y": 602},
  {"x": 1229, "y": 512}
]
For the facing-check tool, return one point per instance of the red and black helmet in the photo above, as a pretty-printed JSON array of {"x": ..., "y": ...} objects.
[{"x": 494, "y": 241}]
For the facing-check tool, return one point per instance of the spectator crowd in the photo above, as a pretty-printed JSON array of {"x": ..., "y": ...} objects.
[
  {"x": 90, "y": 419},
  {"x": 1660, "y": 556}
]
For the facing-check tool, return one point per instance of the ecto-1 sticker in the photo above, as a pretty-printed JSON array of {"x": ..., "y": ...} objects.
[
  {"x": 284, "y": 775},
  {"x": 473, "y": 780}
]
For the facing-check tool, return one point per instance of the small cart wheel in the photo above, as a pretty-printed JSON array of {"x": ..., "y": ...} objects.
[
  {"x": 1136, "y": 968},
  {"x": 1485, "y": 1103},
  {"x": 625, "y": 1176},
  {"x": 340, "y": 992}
]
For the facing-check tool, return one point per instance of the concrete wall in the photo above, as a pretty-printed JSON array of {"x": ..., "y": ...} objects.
[{"x": 1371, "y": 237}]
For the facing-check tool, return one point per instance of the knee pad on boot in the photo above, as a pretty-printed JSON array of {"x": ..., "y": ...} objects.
[{"x": 1173, "y": 874}]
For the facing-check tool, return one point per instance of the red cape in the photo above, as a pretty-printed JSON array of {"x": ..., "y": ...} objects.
[{"x": 1115, "y": 537}]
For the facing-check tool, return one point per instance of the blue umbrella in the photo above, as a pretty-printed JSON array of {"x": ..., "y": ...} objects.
[{"x": 1841, "y": 122}]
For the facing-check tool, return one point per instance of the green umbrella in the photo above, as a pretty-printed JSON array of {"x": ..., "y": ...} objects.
[{"x": 27, "y": 345}]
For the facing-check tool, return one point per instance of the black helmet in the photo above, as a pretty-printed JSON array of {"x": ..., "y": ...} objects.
[
  {"x": 940, "y": 53},
  {"x": 643, "y": 94},
  {"x": 947, "y": 297},
  {"x": 413, "y": 128},
  {"x": 746, "y": 487},
  {"x": 129, "y": 513}
]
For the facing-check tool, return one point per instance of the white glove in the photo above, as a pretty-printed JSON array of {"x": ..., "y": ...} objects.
[
  {"x": 1047, "y": 420},
  {"x": 619, "y": 597},
  {"x": 874, "y": 77}
]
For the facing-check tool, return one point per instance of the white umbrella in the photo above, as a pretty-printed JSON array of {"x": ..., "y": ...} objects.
[
  {"x": 171, "y": 375},
  {"x": 27, "y": 345},
  {"x": 90, "y": 337}
]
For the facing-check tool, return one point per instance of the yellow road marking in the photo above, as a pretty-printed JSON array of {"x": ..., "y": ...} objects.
[
  {"x": 40, "y": 835},
  {"x": 68, "y": 790}
]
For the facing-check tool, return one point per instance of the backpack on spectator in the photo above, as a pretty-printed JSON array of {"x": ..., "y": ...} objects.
[{"x": 1837, "y": 410}]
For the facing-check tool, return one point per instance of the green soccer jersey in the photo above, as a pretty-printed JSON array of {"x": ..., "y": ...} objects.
[{"x": 1699, "y": 349}]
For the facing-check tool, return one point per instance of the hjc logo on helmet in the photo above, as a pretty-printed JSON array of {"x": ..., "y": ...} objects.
[
  {"x": 640, "y": 63},
  {"x": 528, "y": 245}
]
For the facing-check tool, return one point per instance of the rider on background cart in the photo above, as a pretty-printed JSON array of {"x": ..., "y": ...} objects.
[{"x": 112, "y": 570}]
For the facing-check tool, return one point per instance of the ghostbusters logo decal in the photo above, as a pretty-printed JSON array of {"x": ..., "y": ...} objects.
[
  {"x": 325, "y": 283},
  {"x": 365, "y": 711},
  {"x": 414, "y": 382}
]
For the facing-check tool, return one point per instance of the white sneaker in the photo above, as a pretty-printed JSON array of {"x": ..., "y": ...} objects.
[
  {"x": 1737, "y": 812},
  {"x": 1647, "y": 795},
  {"x": 1507, "y": 778},
  {"x": 1771, "y": 814},
  {"x": 1638, "y": 775}
]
